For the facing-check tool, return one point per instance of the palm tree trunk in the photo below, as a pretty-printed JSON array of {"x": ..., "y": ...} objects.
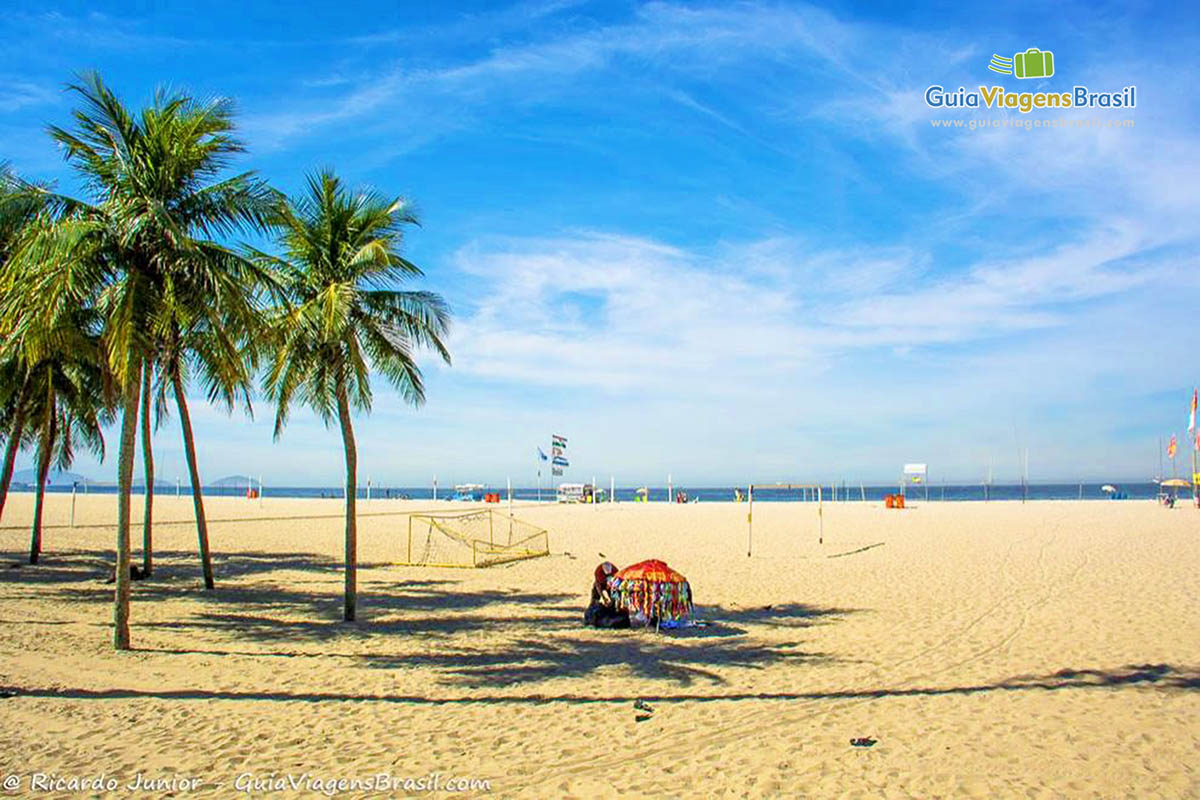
[
  {"x": 189, "y": 447},
  {"x": 45, "y": 450},
  {"x": 129, "y": 421},
  {"x": 351, "y": 492},
  {"x": 148, "y": 462},
  {"x": 14, "y": 445}
]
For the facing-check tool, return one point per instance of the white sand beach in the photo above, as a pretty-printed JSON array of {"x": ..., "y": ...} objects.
[{"x": 1043, "y": 650}]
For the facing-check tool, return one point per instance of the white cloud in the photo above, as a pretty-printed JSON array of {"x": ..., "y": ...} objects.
[
  {"x": 699, "y": 42},
  {"x": 620, "y": 313},
  {"x": 16, "y": 94}
]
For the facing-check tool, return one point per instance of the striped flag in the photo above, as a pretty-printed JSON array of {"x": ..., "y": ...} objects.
[
  {"x": 1192, "y": 416},
  {"x": 558, "y": 459}
]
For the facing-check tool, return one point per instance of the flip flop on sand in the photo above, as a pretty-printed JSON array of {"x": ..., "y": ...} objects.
[
  {"x": 642, "y": 717},
  {"x": 641, "y": 705},
  {"x": 864, "y": 741}
]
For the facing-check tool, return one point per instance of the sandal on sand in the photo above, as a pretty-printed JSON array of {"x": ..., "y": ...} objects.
[
  {"x": 641, "y": 705},
  {"x": 864, "y": 741}
]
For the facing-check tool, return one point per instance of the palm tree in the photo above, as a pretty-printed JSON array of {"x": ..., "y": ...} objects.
[
  {"x": 222, "y": 349},
  {"x": 68, "y": 401},
  {"x": 341, "y": 317},
  {"x": 55, "y": 392},
  {"x": 14, "y": 406},
  {"x": 145, "y": 244},
  {"x": 20, "y": 206},
  {"x": 148, "y": 466}
]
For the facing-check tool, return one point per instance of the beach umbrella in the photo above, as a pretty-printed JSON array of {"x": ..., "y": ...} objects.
[
  {"x": 652, "y": 590},
  {"x": 1108, "y": 487},
  {"x": 1175, "y": 483}
]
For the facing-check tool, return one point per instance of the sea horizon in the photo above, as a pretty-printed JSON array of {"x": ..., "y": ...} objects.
[{"x": 949, "y": 492}]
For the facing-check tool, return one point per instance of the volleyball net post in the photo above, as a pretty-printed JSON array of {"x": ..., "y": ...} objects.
[{"x": 805, "y": 491}]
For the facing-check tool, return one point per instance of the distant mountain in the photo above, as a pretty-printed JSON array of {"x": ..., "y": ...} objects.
[
  {"x": 234, "y": 480},
  {"x": 54, "y": 478}
]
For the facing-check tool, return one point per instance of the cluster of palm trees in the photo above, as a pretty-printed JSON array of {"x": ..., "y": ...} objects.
[{"x": 113, "y": 305}]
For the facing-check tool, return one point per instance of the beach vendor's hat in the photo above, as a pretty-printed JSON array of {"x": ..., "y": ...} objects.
[{"x": 603, "y": 571}]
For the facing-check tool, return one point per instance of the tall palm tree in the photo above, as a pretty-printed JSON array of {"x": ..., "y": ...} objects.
[
  {"x": 222, "y": 350},
  {"x": 14, "y": 408},
  {"x": 144, "y": 244},
  {"x": 69, "y": 401},
  {"x": 20, "y": 205},
  {"x": 148, "y": 467},
  {"x": 341, "y": 317}
]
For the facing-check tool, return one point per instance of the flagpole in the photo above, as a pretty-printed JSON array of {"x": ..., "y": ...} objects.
[{"x": 1195, "y": 437}]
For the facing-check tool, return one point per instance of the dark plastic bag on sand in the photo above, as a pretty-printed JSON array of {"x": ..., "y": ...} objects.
[{"x": 600, "y": 616}]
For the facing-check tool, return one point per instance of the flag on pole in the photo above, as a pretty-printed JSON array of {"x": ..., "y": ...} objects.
[
  {"x": 1192, "y": 416},
  {"x": 542, "y": 455},
  {"x": 558, "y": 445},
  {"x": 1172, "y": 447}
]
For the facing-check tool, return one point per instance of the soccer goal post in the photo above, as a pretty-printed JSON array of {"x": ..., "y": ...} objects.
[
  {"x": 477, "y": 538},
  {"x": 805, "y": 492}
]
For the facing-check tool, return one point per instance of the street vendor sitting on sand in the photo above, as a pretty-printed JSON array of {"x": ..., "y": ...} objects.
[{"x": 602, "y": 611}]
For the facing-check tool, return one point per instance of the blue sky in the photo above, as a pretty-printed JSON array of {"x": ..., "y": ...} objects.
[{"x": 722, "y": 241}]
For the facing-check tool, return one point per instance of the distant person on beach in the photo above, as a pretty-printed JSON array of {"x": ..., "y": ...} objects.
[{"x": 602, "y": 611}]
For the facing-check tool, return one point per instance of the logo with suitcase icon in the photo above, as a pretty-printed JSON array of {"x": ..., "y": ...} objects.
[{"x": 1033, "y": 63}]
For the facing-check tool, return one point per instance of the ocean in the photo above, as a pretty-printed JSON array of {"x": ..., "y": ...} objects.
[{"x": 839, "y": 493}]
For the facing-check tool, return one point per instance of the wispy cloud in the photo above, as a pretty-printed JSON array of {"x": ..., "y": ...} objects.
[
  {"x": 95, "y": 30},
  {"x": 699, "y": 42},
  {"x": 781, "y": 309},
  {"x": 16, "y": 94}
]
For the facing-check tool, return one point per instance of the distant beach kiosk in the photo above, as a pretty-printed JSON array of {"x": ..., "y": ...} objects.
[
  {"x": 469, "y": 492},
  {"x": 579, "y": 493}
]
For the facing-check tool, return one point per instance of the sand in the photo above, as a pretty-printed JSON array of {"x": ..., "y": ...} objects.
[{"x": 1042, "y": 650}]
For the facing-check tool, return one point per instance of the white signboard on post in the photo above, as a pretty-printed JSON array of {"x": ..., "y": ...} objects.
[{"x": 917, "y": 473}]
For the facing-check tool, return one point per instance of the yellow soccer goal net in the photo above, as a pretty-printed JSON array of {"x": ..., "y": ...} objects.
[{"x": 478, "y": 538}]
